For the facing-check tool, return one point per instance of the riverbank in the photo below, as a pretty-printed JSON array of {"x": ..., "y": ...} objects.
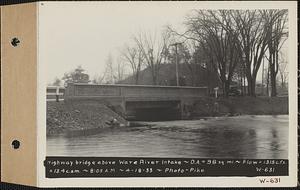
[
  {"x": 240, "y": 137},
  {"x": 86, "y": 118},
  {"x": 231, "y": 106},
  {"x": 73, "y": 119}
]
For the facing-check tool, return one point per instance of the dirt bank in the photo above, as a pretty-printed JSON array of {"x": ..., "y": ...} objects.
[
  {"x": 240, "y": 106},
  {"x": 90, "y": 118},
  {"x": 78, "y": 118}
]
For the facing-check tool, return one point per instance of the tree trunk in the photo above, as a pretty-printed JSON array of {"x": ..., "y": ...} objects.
[
  {"x": 208, "y": 81},
  {"x": 273, "y": 75},
  {"x": 251, "y": 85},
  {"x": 227, "y": 87},
  {"x": 154, "y": 79},
  {"x": 282, "y": 81},
  {"x": 242, "y": 91},
  {"x": 268, "y": 80},
  {"x": 137, "y": 78},
  {"x": 244, "y": 85},
  {"x": 192, "y": 79},
  {"x": 273, "y": 81}
]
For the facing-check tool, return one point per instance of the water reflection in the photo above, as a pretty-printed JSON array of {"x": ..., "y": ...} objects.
[{"x": 235, "y": 137}]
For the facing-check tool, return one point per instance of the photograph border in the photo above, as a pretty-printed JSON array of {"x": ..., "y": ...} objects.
[{"x": 287, "y": 181}]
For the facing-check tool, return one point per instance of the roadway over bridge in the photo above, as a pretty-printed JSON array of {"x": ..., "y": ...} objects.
[{"x": 139, "y": 101}]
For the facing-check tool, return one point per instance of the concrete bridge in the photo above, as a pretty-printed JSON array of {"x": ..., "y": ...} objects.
[{"x": 143, "y": 102}]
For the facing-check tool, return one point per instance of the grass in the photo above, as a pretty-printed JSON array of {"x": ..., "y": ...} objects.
[{"x": 241, "y": 106}]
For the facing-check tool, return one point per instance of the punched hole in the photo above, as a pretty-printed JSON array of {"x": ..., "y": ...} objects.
[
  {"x": 15, "y": 42},
  {"x": 15, "y": 144}
]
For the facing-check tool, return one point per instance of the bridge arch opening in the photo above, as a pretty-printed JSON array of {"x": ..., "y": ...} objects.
[{"x": 153, "y": 110}]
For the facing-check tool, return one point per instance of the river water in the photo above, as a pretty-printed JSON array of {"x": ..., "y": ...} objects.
[{"x": 253, "y": 137}]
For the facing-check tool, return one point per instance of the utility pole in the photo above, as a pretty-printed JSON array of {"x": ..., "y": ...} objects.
[
  {"x": 176, "y": 63},
  {"x": 262, "y": 77},
  {"x": 176, "y": 66}
]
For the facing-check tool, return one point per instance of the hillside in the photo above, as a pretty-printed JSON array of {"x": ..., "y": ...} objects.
[{"x": 189, "y": 75}]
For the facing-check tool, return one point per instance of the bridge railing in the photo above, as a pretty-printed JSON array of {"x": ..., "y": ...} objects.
[
  {"x": 51, "y": 93},
  {"x": 132, "y": 91}
]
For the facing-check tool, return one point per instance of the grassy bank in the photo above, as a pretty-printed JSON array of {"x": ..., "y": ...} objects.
[
  {"x": 79, "y": 118},
  {"x": 240, "y": 106}
]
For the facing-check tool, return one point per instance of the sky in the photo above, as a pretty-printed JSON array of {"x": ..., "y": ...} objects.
[
  {"x": 73, "y": 34},
  {"x": 86, "y": 33}
]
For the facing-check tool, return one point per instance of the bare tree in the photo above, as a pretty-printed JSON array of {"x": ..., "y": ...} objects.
[
  {"x": 114, "y": 71},
  {"x": 120, "y": 71},
  {"x": 254, "y": 33},
  {"x": 152, "y": 49},
  {"x": 207, "y": 28},
  {"x": 259, "y": 31},
  {"x": 283, "y": 70},
  {"x": 135, "y": 57},
  {"x": 252, "y": 41},
  {"x": 182, "y": 54},
  {"x": 275, "y": 21},
  {"x": 248, "y": 34},
  {"x": 109, "y": 73},
  {"x": 99, "y": 79}
]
